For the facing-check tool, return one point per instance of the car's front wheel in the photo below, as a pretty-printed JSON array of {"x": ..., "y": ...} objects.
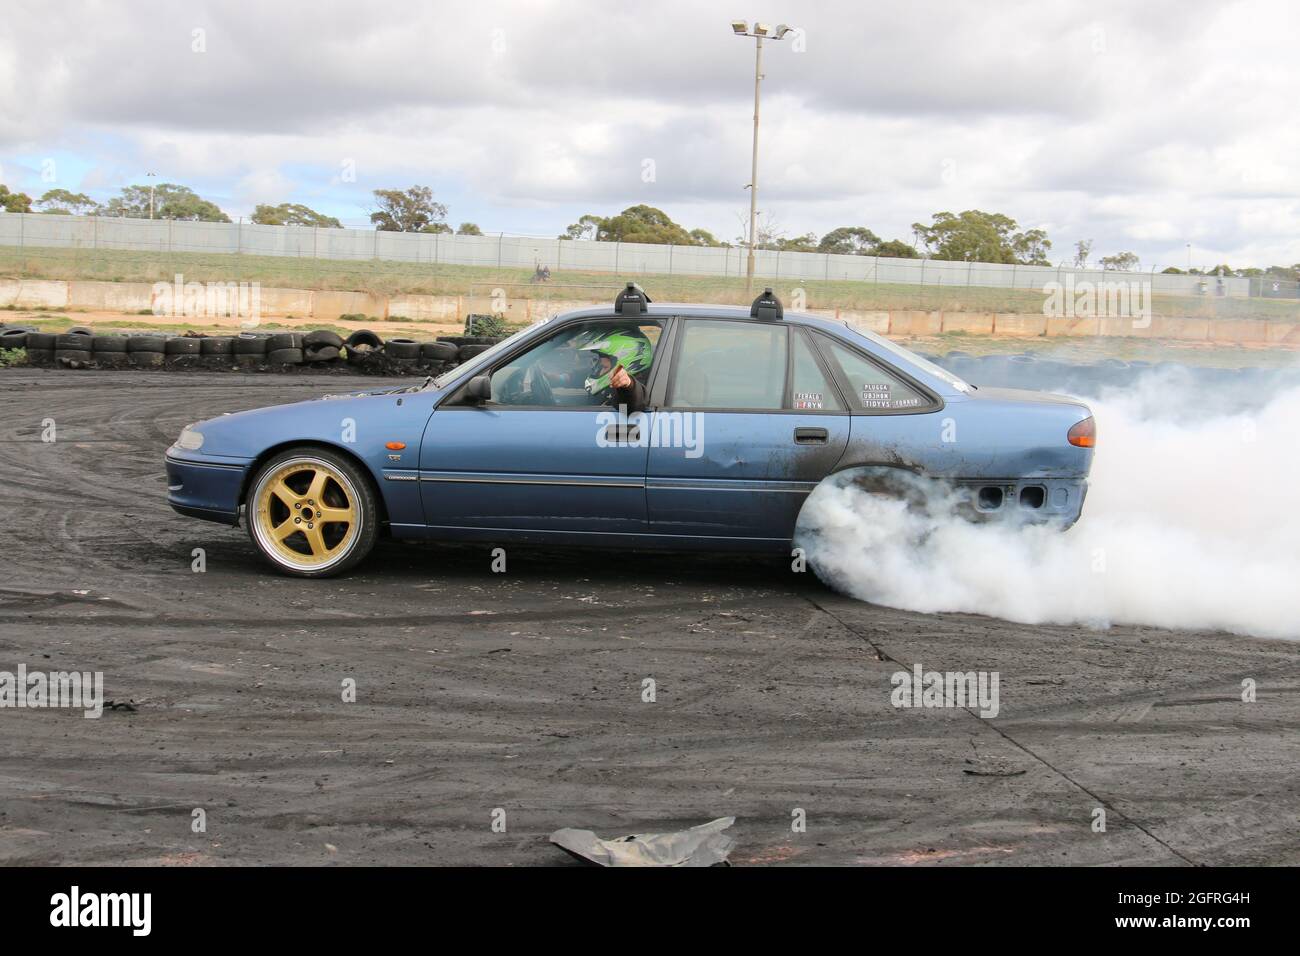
[{"x": 312, "y": 513}]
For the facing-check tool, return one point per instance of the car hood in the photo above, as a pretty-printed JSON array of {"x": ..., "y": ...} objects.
[{"x": 321, "y": 419}]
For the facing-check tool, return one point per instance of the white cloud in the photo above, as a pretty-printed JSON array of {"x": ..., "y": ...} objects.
[{"x": 1139, "y": 126}]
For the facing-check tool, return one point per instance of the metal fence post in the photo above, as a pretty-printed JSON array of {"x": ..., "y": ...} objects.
[
  {"x": 500, "y": 239},
  {"x": 670, "y": 258},
  {"x": 616, "y": 256}
]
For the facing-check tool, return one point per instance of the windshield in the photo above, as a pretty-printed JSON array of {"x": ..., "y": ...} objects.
[
  {"x": 922, "y": 363},
  {"x": 485, "y": 356}
]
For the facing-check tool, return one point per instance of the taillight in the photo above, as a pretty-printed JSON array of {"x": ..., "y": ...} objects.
[{"x": 1083, "y": 434}]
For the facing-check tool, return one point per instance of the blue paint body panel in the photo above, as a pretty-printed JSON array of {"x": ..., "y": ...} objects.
[
  {"x": 499, "y": 473},
  {"x": 750, "y": 478},
  {"x": 204, "y": 489},
  {"x": 540, "y": 470}
]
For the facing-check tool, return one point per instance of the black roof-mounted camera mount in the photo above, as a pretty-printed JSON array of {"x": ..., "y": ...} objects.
[
  {"x": 632, "y": 301},
  {"x": 767, "y": 306}
]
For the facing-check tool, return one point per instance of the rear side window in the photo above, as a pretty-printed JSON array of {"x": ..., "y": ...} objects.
[
  {"x": 730, "y": 365},
  {"x": 810, "y": 390},
  {"x": 872, "y": 387}
]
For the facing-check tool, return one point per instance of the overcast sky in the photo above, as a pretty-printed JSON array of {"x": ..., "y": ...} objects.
[{"x": 1141, "y": 125}]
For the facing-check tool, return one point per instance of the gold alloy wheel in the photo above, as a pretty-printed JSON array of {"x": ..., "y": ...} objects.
[{"x": 307, "y": 515}]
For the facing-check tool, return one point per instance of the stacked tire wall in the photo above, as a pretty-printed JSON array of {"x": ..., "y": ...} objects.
[{"x": 362, "y": 351}]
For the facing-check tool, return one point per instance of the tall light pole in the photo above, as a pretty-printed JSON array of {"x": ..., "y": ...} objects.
[
  {"x": 760, "y": 32},
  {"x": 151, "y": 185}
]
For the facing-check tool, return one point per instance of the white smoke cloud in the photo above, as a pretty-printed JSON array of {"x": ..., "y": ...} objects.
[{"x": 1190, "y": 522}]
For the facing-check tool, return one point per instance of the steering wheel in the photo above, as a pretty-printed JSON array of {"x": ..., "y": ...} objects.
[
  {"x": 509, "y": 391},
  {"x": 538, "y": 389},
  {"x": 525, "y": 387}
]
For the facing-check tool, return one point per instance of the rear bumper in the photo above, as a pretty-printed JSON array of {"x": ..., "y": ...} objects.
[
  {"x": 205, "y": 489},
  {"x": 1057, "y": 501}
]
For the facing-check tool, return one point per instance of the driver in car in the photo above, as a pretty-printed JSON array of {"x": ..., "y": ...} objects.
[
  {"x": 621, "y": 363},
  {"x": 610, "y": 365}
]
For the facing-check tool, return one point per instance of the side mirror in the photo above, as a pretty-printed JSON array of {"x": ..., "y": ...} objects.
[{"x": 479, "y": 389}]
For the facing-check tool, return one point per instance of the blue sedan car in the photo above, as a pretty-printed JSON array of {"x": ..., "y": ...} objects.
[{"x": 640, "y": 425}]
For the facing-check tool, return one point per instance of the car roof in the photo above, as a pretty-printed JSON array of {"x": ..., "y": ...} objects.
[{"x": 696, "y": 310}]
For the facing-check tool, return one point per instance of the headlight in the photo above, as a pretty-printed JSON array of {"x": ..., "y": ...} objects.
[{"x": 191, "y": 439}]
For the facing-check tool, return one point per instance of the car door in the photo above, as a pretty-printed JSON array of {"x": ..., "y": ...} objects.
[
  {"x": 761, "y": 423},
  {"x": 540, "y": 456}
]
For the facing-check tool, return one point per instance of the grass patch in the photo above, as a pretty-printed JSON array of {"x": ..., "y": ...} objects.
[{"x": 384, "y": 277}]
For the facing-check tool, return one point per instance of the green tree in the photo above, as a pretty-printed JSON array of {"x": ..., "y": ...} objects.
[
  {"x": 643, "y": 223},
  {"x": 702, "y": 237},
  {"x": 169, "y": 202},
  {"x": 896, "y": 249},
  {"x": 1031, "y": 248},
  {"x": 982, "y": 237},
  {"x": 409, "y": 210},
  {"x": 469, "y": 229},
  {"x": 1082, "y": 250},
  {"x": 1121, "y": 262},
  {"x": 861, "y": 241},
  {"x": 634, "y": 224},
  {"x": 14, "y": 202},
  {"x": 293, "y": 214},
  {"x": 588, "y": 227},
  {"x": 849, "y": 241},
  {"x": 65, "y": 203},
  {"x": 805, "y": 243}
]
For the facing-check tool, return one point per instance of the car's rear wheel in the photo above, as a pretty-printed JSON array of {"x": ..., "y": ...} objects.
[{"x": 312, "y": 513}]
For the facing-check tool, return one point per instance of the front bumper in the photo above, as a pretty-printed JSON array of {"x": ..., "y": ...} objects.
[{"x": 205, "y": 487}]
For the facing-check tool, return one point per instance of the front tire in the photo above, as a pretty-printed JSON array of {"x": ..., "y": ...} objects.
[{"x": 312, "y": 513}]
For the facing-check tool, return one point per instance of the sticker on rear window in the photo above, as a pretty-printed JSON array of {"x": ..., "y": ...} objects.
[{"x": 881, "y": 395}]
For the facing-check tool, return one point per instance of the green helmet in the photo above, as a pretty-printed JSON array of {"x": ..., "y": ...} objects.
[{"x": 627, "y": 347}]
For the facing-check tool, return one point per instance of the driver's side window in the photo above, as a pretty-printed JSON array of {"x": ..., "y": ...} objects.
[{"x": 570, "y": 368}]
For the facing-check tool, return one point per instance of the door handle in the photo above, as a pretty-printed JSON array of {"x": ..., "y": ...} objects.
[
  {"x": 619, "y": 434},
  {"x": 810, "y": 436}
]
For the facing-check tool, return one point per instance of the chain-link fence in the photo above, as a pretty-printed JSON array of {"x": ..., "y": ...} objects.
[
  {"x": 622, "y": 258},
  {"x": 87, "y": 247}
]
